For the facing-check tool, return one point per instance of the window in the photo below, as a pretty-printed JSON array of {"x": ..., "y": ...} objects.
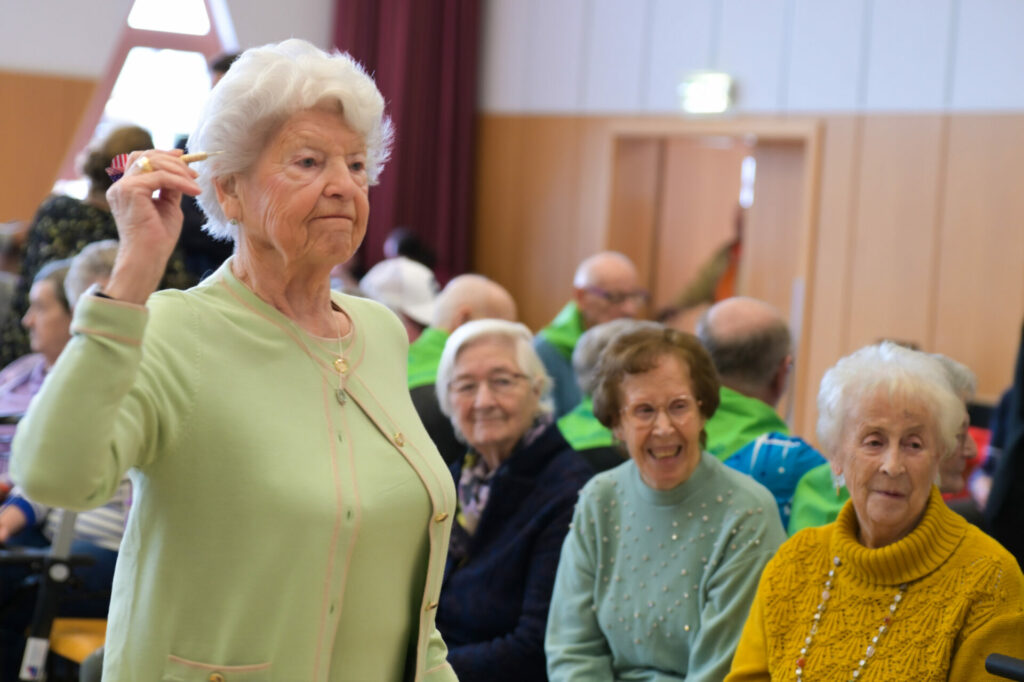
[{"x": 157, "y": 78}]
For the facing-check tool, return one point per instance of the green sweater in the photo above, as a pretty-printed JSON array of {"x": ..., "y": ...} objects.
[
  {"x": 554, "y": 345},
  {"x": 739, "y": 420},
  {"x": 816, "y": 501},
  {"x": 582, "y": 429},
  {"x": 425, "y": 356},
  {"x": 275, "y": 533},
  {"x": 655, "y": 585}
]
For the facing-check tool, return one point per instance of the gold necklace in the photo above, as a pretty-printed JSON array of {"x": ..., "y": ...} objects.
[
  {"x": 819, "y": 612},
  {"x": 340, "y": 366}
]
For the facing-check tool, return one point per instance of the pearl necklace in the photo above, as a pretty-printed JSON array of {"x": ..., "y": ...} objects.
[{"x": 820, "y": 611}]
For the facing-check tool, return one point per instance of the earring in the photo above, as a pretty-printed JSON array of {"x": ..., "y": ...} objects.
[{"x": 838, "y": 481}]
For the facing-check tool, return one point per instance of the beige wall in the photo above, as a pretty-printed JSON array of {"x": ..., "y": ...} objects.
[{"x": 915, "y": 226}]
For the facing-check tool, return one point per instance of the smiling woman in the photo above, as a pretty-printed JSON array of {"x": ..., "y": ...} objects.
[
  {"x": 662, "y": 561},
  {"x": 517, "y": 486},
  {"x": 899, "y": 586}
]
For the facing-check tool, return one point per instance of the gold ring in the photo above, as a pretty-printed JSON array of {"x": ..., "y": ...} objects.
[{"x": 144, "y": 164}]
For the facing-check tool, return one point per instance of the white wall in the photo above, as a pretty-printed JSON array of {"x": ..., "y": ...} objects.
[
  {"x": 76, "y": 37},
  {"x": 622, "y": 56},
  {"x": 611, "y": 56}
]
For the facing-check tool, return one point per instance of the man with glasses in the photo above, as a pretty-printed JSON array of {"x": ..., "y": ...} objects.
[{"x": 606, "y": 287}]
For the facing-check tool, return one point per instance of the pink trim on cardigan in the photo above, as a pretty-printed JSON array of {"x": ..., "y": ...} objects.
[
  {"x": 114, "y": 337},
  {"x": 225, "y": 668},
  {"x": 325, "y": 389}
]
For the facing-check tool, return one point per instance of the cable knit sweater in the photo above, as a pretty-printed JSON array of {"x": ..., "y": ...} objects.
[{"x": 963, "y": 601}]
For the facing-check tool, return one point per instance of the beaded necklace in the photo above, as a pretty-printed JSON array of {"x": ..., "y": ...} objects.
[{"x": 820, "y": 611}]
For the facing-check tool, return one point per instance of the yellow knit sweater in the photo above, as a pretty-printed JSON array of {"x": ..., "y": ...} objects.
[{"x": 963, "y": 601}]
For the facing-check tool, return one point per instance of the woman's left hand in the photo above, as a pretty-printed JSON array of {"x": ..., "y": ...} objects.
[{"x": 146, "y": 204}]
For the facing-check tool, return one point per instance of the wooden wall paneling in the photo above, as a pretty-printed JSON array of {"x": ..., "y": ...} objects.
[
  {"x": 636, "y": 188},
  {"x": 772, "y": 236},
  {"x": 38, "y": 118},
  {"x": 527, "y": 212},
  {"x": 596, "y": 159},
  {"x": 824, "y": 341},
  {"x": 698, "y": 209},
  {"x": 499, "y": 208},
  {"x": 893, "y": 255},
  {"x": 980, "y": 294},
  {"x": 549, "y": 232},
  {"x": 773, "y": 241}
]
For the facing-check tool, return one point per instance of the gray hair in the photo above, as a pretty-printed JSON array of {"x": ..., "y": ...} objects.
[
  {"x": 897, "y": 370},
  {"x": 586, "y": 356},
  {"x": 93, "y": 263},
  {"x": 753, "y": 358},
  {"x": 264, "y": 87},
  {"x": 960, "y": 377},
  {"x": 526, "y": 357},
  {"x": 55, "y": 272}
]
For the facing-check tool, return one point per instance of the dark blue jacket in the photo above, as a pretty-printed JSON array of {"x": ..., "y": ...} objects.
[{"x": 494, "y": 605}]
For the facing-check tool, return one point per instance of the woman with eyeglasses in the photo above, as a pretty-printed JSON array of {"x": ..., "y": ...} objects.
[
  {"x": 517, "y": 485},
  {"x": 663, "y": 557}
]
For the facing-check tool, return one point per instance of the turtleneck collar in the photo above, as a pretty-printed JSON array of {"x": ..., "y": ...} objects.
[
  {"x": 926, "y": 548},
  {"x": 673, "y": 496}
]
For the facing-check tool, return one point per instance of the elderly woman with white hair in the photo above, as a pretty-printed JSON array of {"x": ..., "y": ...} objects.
[
  {"x": 291, "y": 516},
  {"x": 899, "y": 587},
  {"x": 517, "y": 486}
]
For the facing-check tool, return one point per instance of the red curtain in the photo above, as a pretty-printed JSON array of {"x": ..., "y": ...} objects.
[{"x": 423, "y": 56}]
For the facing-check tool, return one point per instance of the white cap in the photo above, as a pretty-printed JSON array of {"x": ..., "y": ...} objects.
[{"x": 403, "y": 285}]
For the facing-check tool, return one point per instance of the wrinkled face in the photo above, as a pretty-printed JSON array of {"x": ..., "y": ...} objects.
[
  {"x": 615, "y": 294},
  {"x": 951, "y": 469},
  {"x": 660, "y": 423},
  {"x": 306, "y": 197},
  {"x": 46, "y": 320},
  {"x": 493, "y": 401},
  {"x": 889, "y": 456}
]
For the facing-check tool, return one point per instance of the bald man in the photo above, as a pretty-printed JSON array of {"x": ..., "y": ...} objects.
[
  {"x": 606, "y": 287},
  {"x": 749, "y": 342},
  {"x": 465, "y": 298}
]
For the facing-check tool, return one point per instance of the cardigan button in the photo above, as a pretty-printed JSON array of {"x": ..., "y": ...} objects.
[
  {"x": 441, "y": 517},
  {"x": 216, "y": 677},
  {"x": 431, "y": 606},
  {"x": 399, "y": 439}
]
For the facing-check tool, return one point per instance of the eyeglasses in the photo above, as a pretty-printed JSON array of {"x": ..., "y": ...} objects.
[
  {"x": 679, "y": 411},
  {"x": 498, "y": 384},
  {"x": 618, "y": 297}
]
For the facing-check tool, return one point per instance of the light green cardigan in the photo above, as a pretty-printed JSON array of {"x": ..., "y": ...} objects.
[{"x": 275, "y": 534}]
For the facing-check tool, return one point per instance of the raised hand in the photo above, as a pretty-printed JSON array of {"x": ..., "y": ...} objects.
[{"x": 146, "y": 203}]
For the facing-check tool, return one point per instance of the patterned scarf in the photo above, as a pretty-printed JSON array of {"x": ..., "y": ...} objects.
[{"x": 474, "y": 490}]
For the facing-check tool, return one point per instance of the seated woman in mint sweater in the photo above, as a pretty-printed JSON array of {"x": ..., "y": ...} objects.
[{"x": 662, "y": 561}]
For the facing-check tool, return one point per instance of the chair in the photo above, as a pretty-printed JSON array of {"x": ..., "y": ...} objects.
[
  {"x": 70, "y": 638},
  {"x": 1005, "y": 666}
]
